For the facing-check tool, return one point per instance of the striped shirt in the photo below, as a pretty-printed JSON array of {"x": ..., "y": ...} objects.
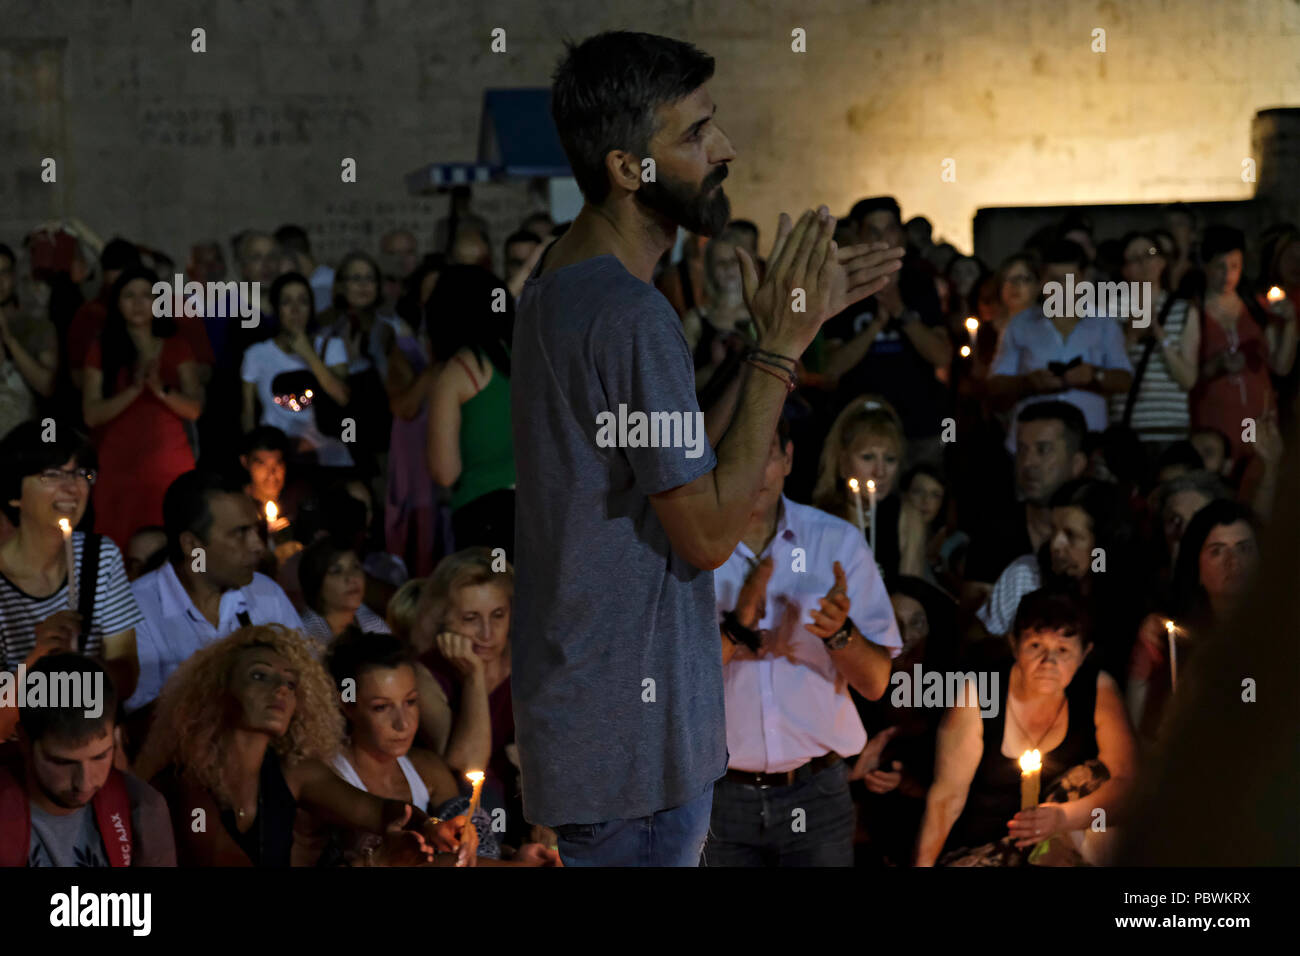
[
  {"x": 1160, "y": 410},
  {"x": 1020, "y": 578},
  {"x": 317, "y": 629},
  {"x": 114, "y": 610}
]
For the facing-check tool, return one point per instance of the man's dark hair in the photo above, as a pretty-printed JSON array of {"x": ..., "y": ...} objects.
[
  {"x": 1219, "y": 239},
  {"x": 604, "y": 95},
  {"x": 187, "y": 504},
  {"x": 460, "y": 314},
  {"x": 864, "y": 207},
  {"x": 24, "y": 452},
  {"x": 265, "y": 438},
  {"x": 67, "y": 723},
  {"x": 783, "y": 431},
  {"x": 293, "y": 238},
  {"x": 353, "y": 653},
  {"x": 1076, "y": 426},
  {"x": 1180, "y": 453},
  {"x": 1103, "y": 503},
  {"x": 521, "y": 235},
  {"x": 118, "y": 253},
  {"x": 1052, "y": 610},
  {"x": 744, "y": 225},
  {"x": 1065, "y": 251}
]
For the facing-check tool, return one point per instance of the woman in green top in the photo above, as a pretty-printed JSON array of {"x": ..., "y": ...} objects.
[{"x": 469, "y": 447}]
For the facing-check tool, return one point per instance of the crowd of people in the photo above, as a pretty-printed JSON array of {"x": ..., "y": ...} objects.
[{"x": 291, "y": 562}]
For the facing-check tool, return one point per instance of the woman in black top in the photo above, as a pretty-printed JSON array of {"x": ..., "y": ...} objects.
[
  {"x": 1048, "y": 701},
  {"x": 243, "y": 733}
]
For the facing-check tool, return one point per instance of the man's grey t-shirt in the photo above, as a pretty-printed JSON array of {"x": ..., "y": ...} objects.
[
  {"x": 616, "y": 669},
  {"x": 73, "y": 839}
]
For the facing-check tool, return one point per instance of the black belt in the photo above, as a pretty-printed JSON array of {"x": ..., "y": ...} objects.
[{"x": 787, "y": 778}]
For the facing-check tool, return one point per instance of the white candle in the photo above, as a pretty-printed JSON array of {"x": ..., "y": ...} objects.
[
  {"x": 972, "y": 326},
  {"x": 857, "y": 504},
  {"x": 871, "y": 499},
  {"x": 476, "y": 778},
  {"x": 1171, "y": 629},
  {"x": 66, "y": 527},
  {"x": 1031, "y": 767},
  {"x": 1276, "y": 294}
]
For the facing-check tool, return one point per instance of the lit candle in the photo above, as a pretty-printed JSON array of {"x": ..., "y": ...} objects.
[
  {"x": 972, "y": 326},
  {"x": 475, "y": 777},
  {"x": 871, "y": 499},
  {"x": 857, "y": 504},
  {"x": 965, "y": 351},
  {"x": 1276, "y": 294},
  {"x": 274, "y": 522},
  {"x": 1031, "y": 767},
  {"x": 1172, "y": 630},
  {"x": 66, "y": 527}
]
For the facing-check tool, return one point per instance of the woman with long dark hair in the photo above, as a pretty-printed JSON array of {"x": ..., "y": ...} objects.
[
  {"x": 141, "y": 387},
  {"x": 469, "y": 447}
]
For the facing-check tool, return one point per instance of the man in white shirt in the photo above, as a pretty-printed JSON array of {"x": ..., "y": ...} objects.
[
  {"x": 808, "y": 582},
  {"x": 209, "y": 586}
]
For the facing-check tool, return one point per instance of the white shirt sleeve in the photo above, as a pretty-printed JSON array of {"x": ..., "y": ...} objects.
[{"x": 870, "y": 607}]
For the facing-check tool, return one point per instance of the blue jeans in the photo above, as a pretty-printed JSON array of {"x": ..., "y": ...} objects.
[
  {"x": 759, "y": 826},
  {"x": 673, "y": 837}
]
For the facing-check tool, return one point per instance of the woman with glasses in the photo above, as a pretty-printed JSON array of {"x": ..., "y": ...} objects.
[
  {"x": 41, "y": 483},
  {"x": 1163, "y": 354},
  {"x": 141, "y": 387}
]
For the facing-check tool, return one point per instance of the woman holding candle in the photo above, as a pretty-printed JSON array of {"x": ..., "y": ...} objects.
[
  {"x": 1239, "y": 346},
  {"x": 245, "y": 731},
  {"x": 465, "y": 619},
  {"x": 1047, "y": 701},
  {"x": 1216, "y": 559},
  {"x": 867, "y": 444},
  {"x": 378, "y": 755},
  {"x": 141, "y": 388},
  {"x": 41, "y": 484}
]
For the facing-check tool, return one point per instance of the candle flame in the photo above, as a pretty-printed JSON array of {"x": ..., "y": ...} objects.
[
  {"x": 65, "y": 526},
  {"x": 1275, "y": 294},
  {"x": 272, "y": 512},
  {"x": 1170, "y": 627},
  {"x": 972, "y": 324},
  {"x": 965, "y": 351},
  {"x": 474, "y": 776},
  {"x": 1031, "y": 761},
  {"x": 871, "y": 485},
  {"x": 853, "y": 485}
]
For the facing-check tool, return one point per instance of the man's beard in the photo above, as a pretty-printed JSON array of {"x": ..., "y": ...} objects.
[{"x": 694, "y": 210}]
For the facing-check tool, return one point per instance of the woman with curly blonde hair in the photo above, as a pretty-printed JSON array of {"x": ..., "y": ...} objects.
[
  {"x": 867, "y": 443},
  {"x": 244, "y": 732}
]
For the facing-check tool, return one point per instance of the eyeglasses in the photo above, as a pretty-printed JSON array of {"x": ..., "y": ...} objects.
[{"x": 52, "y": 476}]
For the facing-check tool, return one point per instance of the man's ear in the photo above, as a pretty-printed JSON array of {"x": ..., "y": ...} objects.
[
  {"x": 243, "y": 460},
  {"x": 624, "y": 170},
  {"x": 1078, "y": 464}
]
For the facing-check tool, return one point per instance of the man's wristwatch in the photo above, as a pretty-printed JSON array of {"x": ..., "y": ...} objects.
[
  {"x": 841, "y": 637},
  {"x": 737, "y": 633}
]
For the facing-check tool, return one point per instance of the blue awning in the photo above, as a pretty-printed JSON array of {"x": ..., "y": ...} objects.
[{"x": 517, "y": 140}]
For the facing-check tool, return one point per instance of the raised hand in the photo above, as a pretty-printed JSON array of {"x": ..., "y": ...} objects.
[
  {"x": 753, "y": 594},
  {"x": 835, "y": 608},
  {"x": 459, "y": 652},
  {"x": 803, "y": 257}
]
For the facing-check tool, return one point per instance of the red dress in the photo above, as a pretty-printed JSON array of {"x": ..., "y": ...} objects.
[
  {"x": 1222, "y": 402},
  {"x": 141, "y": 451}
]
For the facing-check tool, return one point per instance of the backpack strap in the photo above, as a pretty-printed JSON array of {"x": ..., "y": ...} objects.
[
  {"x": 113, "y": 816},
  {"x": 15, "y": 818},
  {"x": 88, "y": 583},
  {"x": 1145, "y": 360}
]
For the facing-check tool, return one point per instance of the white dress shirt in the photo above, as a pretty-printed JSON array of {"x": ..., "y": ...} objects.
[
  {"x": 791, "y": 704},
  {"x": 173, "y": 628}
]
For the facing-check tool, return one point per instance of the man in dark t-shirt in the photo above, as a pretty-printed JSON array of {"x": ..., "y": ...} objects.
[
  {"x": 616, "y": 656},
  {"x": 892, "y": 343}
]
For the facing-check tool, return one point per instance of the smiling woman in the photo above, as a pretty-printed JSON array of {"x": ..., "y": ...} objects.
[{"x": 41, "y": 483}]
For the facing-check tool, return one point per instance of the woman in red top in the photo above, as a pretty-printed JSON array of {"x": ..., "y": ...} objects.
[
  {"x": 141, "y": 386},
  {"x": 1237, "y": 353}
]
